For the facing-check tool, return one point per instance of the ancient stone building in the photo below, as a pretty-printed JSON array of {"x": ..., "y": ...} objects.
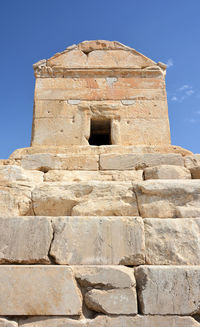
[{"x": 100, "y": 216}]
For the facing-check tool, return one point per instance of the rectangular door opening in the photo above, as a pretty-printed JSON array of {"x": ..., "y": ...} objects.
[{"x": 100, "y": 132}]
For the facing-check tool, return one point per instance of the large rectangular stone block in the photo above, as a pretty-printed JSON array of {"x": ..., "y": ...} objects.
[
  {"x": 93, "y": 198},
  {"x": 166, "y": 198},
  {"x": 98, "y": 240},
  {"x": 138, "y": 161},
  {"x": 172, "y": 241},
  {"x": 164, "y": 290},
  {"x": 38, "y": 290}
]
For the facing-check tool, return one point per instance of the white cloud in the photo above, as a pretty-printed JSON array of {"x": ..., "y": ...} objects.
[
  {"x": 174, "y": 98},
  {"x": 189, "y": 92},
  {"x": 170, "y": 63},
  {"x": 184, "y": 87}
]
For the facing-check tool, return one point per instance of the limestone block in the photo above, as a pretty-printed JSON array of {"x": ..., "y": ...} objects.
[
  {"x": 7, "y": 323},
  {"x": 192, "y": 161},
  {"x": 188, "y": 212},
  {"x": 85, "y": 198},
  {"x": 168, "y": 290},
  {"x": 105, "y": 276},
  {"x": 107, "y": 321},
  {"x": 195, "y": 171},
  {"x": 167, "y": 172},
  {"x": 142, "y": 321},
  {"x": 46, "y": 161},
  {"x": 9, "y": 173},
  {"x": 38, "y": 290},
  {"x": 15, "y": 200},
  {"x": 115, "y": 301},
  {"x": 162, "y": 198},
  {"x": 138, "y": 161},
  {"x": 69, "y": 59},
  {"x": 101, "y": 175},
  {"x": 172, "y": 241},
  {"x": 48, "y": 321},
  {"x": 25, "y": 240},
  {"x": 99, "y": 240},
  {"x": 146, "y": 131}
]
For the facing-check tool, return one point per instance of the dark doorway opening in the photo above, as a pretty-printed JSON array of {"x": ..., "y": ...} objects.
[{"x": 100, "y": 132}]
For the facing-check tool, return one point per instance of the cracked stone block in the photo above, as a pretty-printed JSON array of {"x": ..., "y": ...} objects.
[
  {"x": 92, "y": 198},
  {"x": 167, "y": 172},
  {"x": 38, "y": 290},
  {"x": 172, "y": 241},
  {"x": 105, "y": 276},
  {"x": 98, "y": 240},
  {"x": 25, "y": 240},
  {"x": 114, "y": 301},
  {"x": 168, "y": 290},
  {"x": 192, "y": 161},
  {"x": 12, "y": 173},
  {"x": 138, "y": 161},
  {"x": 163, "y": 198}
]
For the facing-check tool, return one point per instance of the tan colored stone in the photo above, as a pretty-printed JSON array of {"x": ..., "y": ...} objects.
[
  {"x": 38, "y": 290},
  {"x": 25, "y": 240},
  {"x": 82, "y": 176},
  {"x": 10, "y": 173},
  {"x": 195, "y": 171},
  {"x": 188, "y": 212},
  {"x": 167, "y": 290},
  {"x": 105, "y": 276},
  {"x": 162, "y": 198},
  {"x": 172, "y": 241},
  {"x": 192, "y": 161},
  {"x": 143, "y": 321},
  {"x": 15, "y": 200},
  {"x": 85, "y": 198},
  {"x": 7, "y": 323},
  {"x": 167, "y": 172},
  {"x": 100, "y": 240},
  {"x": 106, "y": 321},
  {"x": 115, "y": 301},
  {"x": 138, "y": 161},
  {"x": 46, "y": 161}
]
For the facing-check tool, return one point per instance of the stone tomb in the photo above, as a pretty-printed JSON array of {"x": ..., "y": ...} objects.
[{"x": 100, "y": 216}]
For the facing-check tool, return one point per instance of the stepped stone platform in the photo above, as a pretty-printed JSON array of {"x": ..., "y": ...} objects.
[{"x": 100, "y": 216}]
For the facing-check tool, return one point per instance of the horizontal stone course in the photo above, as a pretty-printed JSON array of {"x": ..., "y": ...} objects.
[{"x": 106, "y": 321}]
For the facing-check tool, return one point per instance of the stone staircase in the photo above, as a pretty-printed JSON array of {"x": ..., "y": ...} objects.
[{"x": 99, "y": 236}]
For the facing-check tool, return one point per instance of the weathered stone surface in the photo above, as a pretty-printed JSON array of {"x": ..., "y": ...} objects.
[
  {"x": 167, "y": 172},
  {"x": 168, "y": 290},
  {"x": 98, "y": 240},
  {"x": 9, "y": 173},
  {"x": 188, "y": 212},
  {"x": 172, "y": 241},
  {"x": 192, "y": 161},
  {"x": 138, "y": 161},
  {"x": 106, "y": 321},
  {"x": 162, "y": 198},
  {"x": 105, "y": 276},
  {"x": 15, "y": 199},
  {"x": 38, "y": 290},
  {"x": 25, "y": 240},
  {"x": 85, "y": 198},
  {"x": 7, "y": 323},
  {"x": 101, "y": 175},
  {"x": 47, "y": 161},
  {"x": 195, "y": 171},
  {"x": 115, "y": 301}
]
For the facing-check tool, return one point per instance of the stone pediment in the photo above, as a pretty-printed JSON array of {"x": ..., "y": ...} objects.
[{"x": 98, "y": 55}]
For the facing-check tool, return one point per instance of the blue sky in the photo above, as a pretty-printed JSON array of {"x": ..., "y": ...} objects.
[{"x": 167, "y": 31}]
